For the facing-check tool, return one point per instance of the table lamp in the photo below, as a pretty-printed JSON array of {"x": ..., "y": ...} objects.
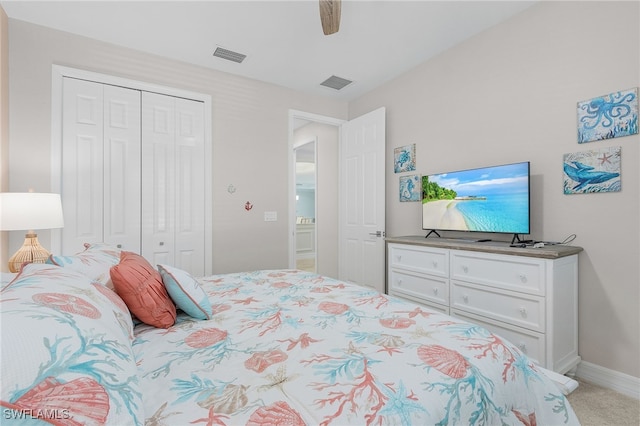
[{"x": 29, "y": 211}]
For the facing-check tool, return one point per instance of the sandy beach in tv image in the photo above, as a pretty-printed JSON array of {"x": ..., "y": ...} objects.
[
  {"x": 492, "y": 199},
  {"x": 444, "y": 215}
]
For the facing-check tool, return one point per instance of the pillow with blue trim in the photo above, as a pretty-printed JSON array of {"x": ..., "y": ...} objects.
[{"x": 186, "y": 292}]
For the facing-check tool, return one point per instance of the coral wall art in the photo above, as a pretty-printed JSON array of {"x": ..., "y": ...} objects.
[
  {"x": 609, "y": 116},
  {"x": 592, "y": 171},
  {"x": 410, "y": 188},
  {"x": 404, "y": 158}
]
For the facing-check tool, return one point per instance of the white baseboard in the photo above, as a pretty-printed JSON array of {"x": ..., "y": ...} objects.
[{"x": 610, "y": 379}]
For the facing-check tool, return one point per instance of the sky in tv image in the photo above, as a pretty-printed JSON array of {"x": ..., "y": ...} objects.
[
  {"x": 508, "y": 179},
  {"x": 492, "y": 199}
]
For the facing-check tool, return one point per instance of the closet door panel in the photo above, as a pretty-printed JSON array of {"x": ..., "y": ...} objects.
[
  {"x": 82, "y": 164},
  {"x": 122, "y": 182},
  {"x": 158, "y": 177},
  {"x": 190, "y": 163}
]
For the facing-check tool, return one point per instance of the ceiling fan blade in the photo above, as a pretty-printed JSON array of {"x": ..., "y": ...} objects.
[{"x": 330, "y": 16}]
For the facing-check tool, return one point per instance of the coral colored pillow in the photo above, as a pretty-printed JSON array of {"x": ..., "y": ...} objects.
[{"x": 141, "y": 288}]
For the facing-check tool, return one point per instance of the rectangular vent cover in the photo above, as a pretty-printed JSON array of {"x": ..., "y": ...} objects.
[
  {"x": 336, "y": 82},
  {"x": 229, "y": 55}
]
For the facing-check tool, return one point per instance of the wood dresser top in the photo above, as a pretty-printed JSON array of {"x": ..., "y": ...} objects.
[{"x": 499, "y": 247}]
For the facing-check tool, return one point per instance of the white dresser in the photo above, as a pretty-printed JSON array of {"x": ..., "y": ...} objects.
[{"x": 528, "y": 296}]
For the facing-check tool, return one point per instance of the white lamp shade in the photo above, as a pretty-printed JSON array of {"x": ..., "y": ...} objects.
[{"x": 30, "y": 211}]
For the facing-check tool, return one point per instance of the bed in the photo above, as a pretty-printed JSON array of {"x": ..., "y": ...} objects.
[{"x": 274, "y": 347}]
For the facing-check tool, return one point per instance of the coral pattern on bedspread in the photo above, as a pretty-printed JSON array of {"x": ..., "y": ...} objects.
[
  {"x": 66, "y": 351},
  {"x": 291, "y": 347}
]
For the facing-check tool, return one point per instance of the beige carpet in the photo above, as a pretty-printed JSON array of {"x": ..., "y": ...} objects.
[
  {"x": 598, "y": 406},
  {"x": 308, "y": 265}
]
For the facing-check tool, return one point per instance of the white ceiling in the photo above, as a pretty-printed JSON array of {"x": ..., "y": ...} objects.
[{"x": 283, "y": 40}]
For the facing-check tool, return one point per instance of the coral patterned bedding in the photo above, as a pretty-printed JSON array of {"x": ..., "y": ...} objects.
[{"x": 291, "y": 347}]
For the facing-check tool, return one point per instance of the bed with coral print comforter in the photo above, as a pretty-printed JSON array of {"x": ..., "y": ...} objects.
[{"x": 291, "y": 347}]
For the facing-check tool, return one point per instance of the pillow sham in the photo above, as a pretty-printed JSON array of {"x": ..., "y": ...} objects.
[
  {"x": 186, "y": 292},
  {"x": 66, "y": 350},
  {"x": 141, "y": 288},
  {"x": 95, "y": 262}
]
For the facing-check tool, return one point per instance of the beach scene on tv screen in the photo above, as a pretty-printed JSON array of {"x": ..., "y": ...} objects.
[{"x": 492, "y": 199}]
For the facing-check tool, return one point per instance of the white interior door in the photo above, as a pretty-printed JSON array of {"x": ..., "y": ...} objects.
[
  {"x": 190, "y": 186},
  {"x": 82, "y": 163},
  {"x": 100, "y": 165},
  {"x": 158, "y": 177},
  {"x": 173, "y": 182},
  {"x": 362, "y": 200},
  {"x": 121, "y": 213}
]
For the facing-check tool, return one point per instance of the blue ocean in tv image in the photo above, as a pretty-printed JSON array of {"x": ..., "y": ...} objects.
[
  {"x": 497, "y": 213},
  {"x": 489, "y": 199}
]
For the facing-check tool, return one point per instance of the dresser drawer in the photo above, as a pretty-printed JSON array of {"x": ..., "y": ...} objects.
[
  {"x": 511, "y": 307},
  {"x": 430, "y": 288},
  {"x": 502, "y": 271},
  {"x": 529, "y": 342},
  {"x": 426, "y": 260}
]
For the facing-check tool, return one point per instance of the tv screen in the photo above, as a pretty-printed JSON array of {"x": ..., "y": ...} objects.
[{"x": 488, "y": 199}]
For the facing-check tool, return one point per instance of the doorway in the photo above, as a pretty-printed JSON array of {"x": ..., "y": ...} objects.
[
  {"x": 322, "y": 133},
  {"x": 305, "y": 176}
]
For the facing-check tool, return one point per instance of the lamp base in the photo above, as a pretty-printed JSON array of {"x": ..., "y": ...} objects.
[{"x": 30, "y": 252}]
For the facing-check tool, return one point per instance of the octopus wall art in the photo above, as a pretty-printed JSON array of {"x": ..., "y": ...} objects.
[{"x": 609, "y": 116}]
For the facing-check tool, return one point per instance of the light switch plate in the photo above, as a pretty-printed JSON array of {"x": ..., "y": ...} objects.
[{"x": 270, "y": 216}]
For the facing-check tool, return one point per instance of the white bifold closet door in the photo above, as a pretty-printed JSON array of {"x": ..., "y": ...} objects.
[
  {"x": 100, "y": 165},
  {"x": 133, "y": 173},
  {"x": 173, "y": 164}
]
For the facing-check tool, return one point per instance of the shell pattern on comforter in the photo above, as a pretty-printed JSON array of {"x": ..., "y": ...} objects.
[{"x": 291, "y": 347}]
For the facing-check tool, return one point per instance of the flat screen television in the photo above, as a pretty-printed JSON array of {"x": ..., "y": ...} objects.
[{"x": 492, "y": 199}]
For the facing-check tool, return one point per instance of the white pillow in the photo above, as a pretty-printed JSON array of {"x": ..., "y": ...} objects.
[{"x": 186, "y": 292}]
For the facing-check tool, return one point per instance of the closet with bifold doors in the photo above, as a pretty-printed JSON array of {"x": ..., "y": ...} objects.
[{"x": 133, "y": 172}]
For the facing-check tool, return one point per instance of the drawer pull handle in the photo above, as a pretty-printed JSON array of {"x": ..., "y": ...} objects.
[
  {"x": 465, "y": 298},
  {"x": 399, "y": 282},
  {"x": 522, "y": 347},
  {"x": 523, "y": 278},
  {"x": 523, "y": 311},
  {"x": 465, "y": 268},
  {"x": 161, "y": 243},
  {"x": 119, "y": 245},
  {"x": 435, "y": 264},
  {"x": 399, "y": 258},
  {"x": 435, "y": 291}
]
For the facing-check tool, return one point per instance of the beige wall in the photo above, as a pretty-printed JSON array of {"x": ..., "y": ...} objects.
[
  {"x": 326, "y": 193},
  {"x": 4, "y": 125},
  {"x": 250, "y": 135},
  {"x": 510, "y": 95}
]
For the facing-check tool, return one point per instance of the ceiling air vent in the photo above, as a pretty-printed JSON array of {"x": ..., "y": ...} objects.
[
  {"x": 336, "y": 82},
  {"x": 229, "y": 55}
]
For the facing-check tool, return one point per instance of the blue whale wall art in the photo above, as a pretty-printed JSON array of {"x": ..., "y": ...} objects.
[{"x": 592, "y": 171}]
